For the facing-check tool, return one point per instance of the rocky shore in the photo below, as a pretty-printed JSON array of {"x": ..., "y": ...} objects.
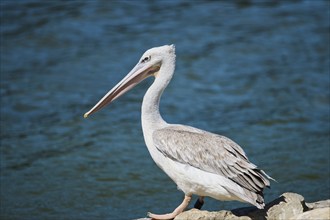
[{"x": 287, "y": 206}]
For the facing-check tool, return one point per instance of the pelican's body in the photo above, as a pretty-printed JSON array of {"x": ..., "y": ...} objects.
[{"x": 199, "y": 162}]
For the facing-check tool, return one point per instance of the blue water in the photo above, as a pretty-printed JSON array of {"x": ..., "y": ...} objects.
[{"x": 255, "y": 71}]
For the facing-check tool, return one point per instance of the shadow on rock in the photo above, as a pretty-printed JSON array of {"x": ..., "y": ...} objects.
[{"x": 287, "y": 206}]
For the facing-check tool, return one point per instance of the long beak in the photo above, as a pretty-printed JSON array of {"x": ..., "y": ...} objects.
[{"x": 135, "y": 76}]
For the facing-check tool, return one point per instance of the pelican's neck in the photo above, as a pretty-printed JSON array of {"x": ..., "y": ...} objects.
[{"x": 151, "y": 118}]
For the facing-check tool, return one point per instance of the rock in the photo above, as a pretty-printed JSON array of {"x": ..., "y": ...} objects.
[
  {"x": 195, "y": 214},
  {"x": 287, "y": 206},
  {"x": 319, "y": 204},
  {"x": 293, "y": 204},
  {"x": 319, "y": 213}
]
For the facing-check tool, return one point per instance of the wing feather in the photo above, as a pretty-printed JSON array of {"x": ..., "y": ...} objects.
[{"x": 211, "y": 153}]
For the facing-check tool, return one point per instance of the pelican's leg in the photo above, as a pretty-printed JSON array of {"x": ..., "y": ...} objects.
[
  {"x": 199, "y": 203},
  {"x": 176, "y": 212}
]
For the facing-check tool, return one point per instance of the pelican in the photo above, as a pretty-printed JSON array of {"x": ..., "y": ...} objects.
[{"x": 199, "y": 162}]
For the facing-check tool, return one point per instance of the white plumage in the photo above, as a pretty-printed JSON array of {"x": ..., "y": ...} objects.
[{"x": 199, "y": 162}]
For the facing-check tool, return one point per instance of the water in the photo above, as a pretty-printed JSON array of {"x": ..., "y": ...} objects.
[{"x": 257, "y": 72}]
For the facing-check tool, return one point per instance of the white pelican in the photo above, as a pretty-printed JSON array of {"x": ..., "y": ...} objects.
[{"x": 199, "y": 162}]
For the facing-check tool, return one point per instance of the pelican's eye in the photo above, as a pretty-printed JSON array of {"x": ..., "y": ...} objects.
[{"x": 146, "y": 59}]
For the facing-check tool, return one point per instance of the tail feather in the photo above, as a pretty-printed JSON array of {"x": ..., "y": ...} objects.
[{"x": 254, "y": 196}]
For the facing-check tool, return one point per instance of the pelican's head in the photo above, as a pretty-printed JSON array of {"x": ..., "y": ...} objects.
[{"x": 148, "y": 65}]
